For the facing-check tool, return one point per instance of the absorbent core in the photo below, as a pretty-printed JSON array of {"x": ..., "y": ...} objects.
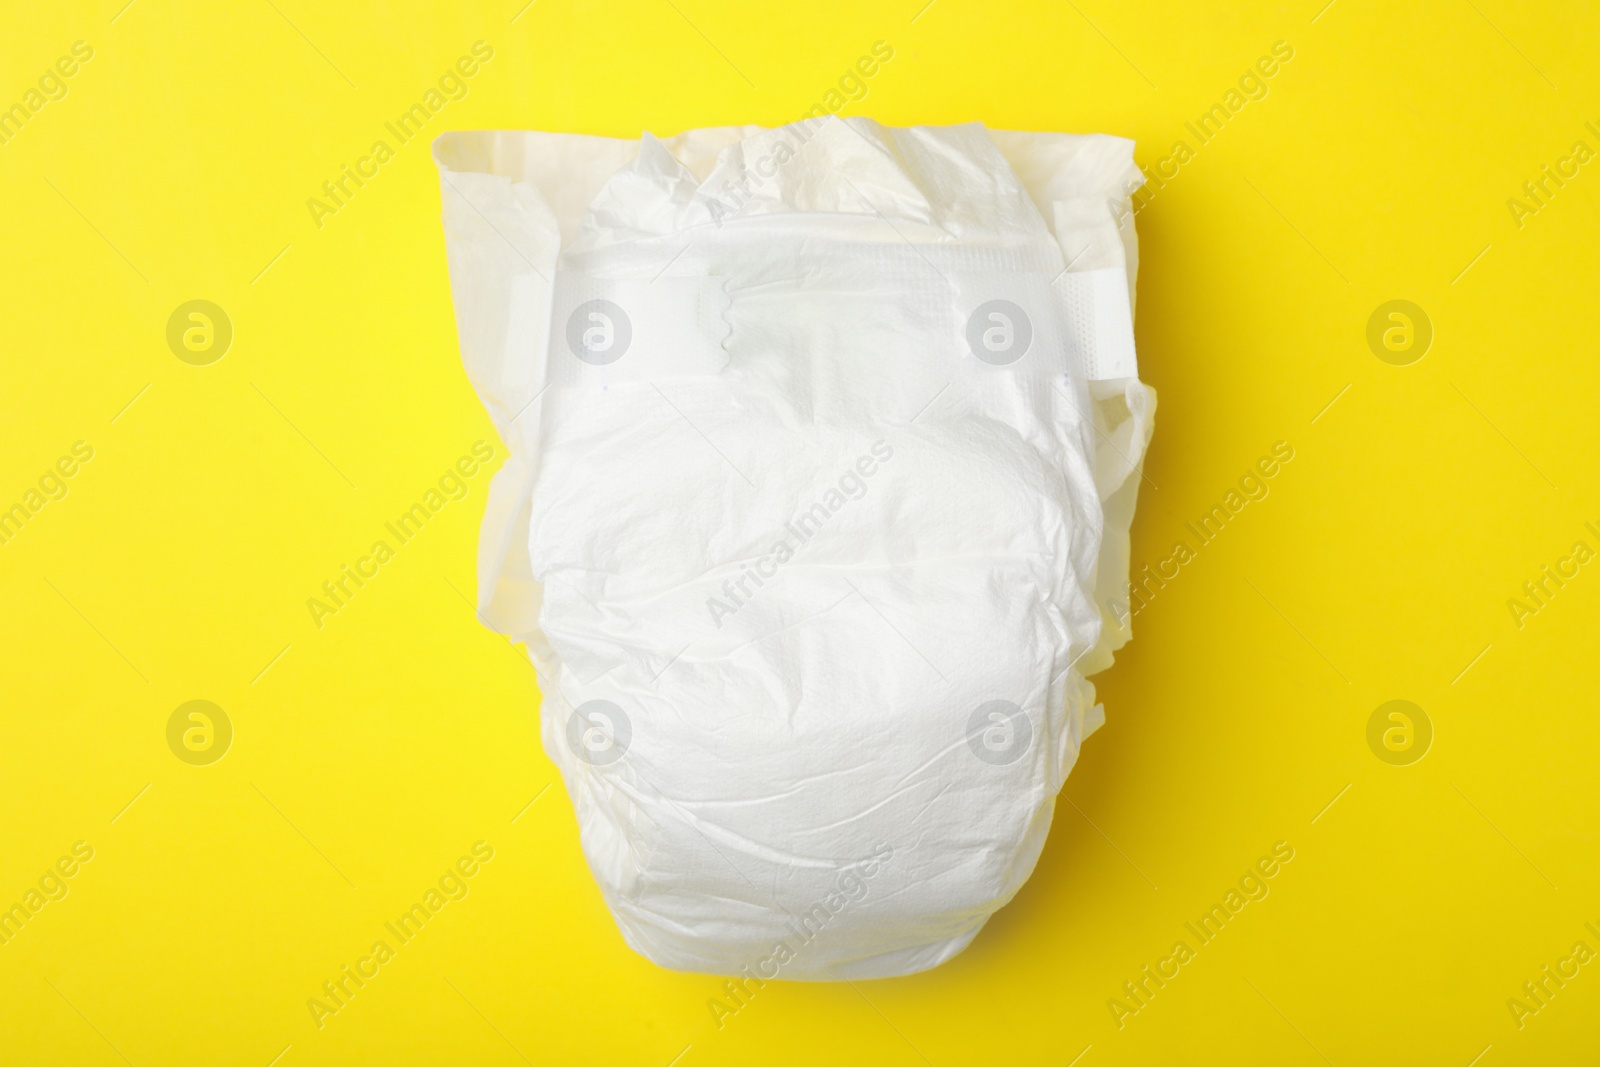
[{"x": 825, "y": 442}]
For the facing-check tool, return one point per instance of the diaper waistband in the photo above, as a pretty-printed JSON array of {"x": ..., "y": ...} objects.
[{"x": 607, "y": 330}]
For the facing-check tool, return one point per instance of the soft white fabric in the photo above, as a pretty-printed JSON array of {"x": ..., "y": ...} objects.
[{"x": 836, "y": 758}]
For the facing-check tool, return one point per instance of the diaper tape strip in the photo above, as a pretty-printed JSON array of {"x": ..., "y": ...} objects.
[
  {"x": 604, "y": 331},
  {"x": 609, "y": 330},
  {"x": 1077, "y": 323}
]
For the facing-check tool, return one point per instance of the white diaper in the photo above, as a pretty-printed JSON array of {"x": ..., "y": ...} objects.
[{"x": 825, "y": 442}]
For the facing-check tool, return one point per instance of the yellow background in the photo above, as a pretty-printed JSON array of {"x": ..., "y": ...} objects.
[{"x": 370, "y": 754}]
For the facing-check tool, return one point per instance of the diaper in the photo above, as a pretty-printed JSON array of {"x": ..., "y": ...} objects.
[{"x": 824, "y": 446}]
